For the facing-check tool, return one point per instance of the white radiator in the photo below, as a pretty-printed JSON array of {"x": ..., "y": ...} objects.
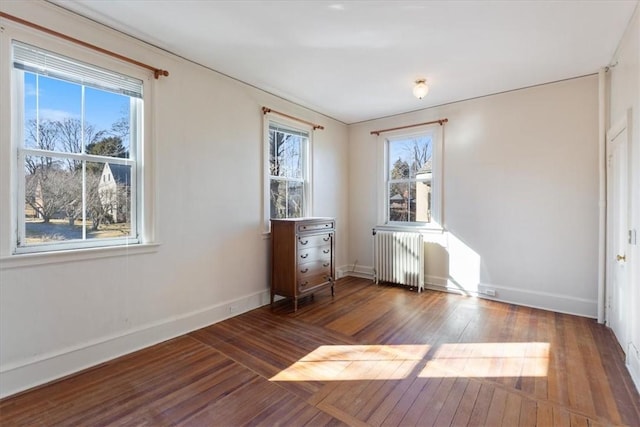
[{"x": 399, "y": 258}]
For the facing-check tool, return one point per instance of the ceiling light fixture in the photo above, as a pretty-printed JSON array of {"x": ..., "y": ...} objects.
[{"x": 421, "y": 89}]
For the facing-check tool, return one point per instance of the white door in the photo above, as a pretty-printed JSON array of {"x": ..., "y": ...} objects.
[{"x": 618, "y": 287}]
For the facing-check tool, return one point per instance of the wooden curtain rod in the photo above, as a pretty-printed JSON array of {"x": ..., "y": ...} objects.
[
  {"x": 266, "y": 110},
  {"x": 156, "y": 71},
  {"x": 440, "y": 122}
]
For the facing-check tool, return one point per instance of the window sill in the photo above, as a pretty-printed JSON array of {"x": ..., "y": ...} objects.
[{"x": 58, "y": 257}]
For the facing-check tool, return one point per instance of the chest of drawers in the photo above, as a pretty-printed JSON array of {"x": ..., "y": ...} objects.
[{"x": 302, "y": 257}]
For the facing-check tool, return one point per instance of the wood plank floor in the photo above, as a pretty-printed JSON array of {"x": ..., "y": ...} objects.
[{"x": 373, "y": 355}]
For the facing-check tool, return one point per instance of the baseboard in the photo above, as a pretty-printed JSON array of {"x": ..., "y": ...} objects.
[
  {"x": 633, "y": 365},
  {"x": 24, "y": 375},
  {"x": 363, "y": 272},
  {"x": 535, "y": 299}
]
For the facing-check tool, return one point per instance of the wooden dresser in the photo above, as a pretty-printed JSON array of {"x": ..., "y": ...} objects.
[{"x": 302, "y": 257}]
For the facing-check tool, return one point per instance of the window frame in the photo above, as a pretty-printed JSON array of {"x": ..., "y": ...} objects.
[
  {"x": 307, "y": 173},
  {"x": 435, "y": 131},
  {"x": 13, "y": 184}
]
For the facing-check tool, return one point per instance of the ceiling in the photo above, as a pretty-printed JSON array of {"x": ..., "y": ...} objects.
[{"x": 358, "y": 60}]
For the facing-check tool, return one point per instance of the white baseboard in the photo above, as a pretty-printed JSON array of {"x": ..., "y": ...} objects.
[
  {"x": 364, "y": 272},
  {"x": 26, "y": 374},
  {"x": 528, "y": 298},
  {"x": 633, "y": 364}
]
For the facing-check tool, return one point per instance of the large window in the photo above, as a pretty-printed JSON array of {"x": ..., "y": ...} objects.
[
  {"x": 78, "y": 130},
  {"x": 288, "y": 171},
  {"x": 411, "y": 179}
]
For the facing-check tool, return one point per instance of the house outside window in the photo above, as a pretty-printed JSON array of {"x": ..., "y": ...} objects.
[
  {"x": 288, "y": 165},
  {"x": 412, "y": 179},
  {"x": 78, "y": 129}
]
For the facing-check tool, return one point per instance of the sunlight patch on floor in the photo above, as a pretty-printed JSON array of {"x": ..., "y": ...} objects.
[
  {"x": 486, "y": 360},
  {"x": 396, "y": 362},
  {"x": 355, "y": 362}
]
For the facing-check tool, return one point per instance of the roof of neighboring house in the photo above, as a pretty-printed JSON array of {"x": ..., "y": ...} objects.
[{"x": 121, "y": 173}]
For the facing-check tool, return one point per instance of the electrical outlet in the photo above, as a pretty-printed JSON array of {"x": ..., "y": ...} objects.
[
  {"x": 490, "y": 292},
  {"x": 233, "y": 308}
]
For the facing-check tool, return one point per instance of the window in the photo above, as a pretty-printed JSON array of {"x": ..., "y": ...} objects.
[
  {"x": 288, "y": 153},
  {"x": 78, "y": 130},
  {"x": 412, "y": 184}
]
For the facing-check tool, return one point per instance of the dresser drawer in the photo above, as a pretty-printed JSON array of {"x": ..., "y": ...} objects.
[
  {"x": 326, "y": 225},
  {"x": 313, "y": 268},
  {"x": 308, "y": 282},
  {"x": 323, "y": 239},
  {"x": 314, "y": 253}
]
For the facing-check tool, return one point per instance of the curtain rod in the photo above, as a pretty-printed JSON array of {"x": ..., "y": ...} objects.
[
  {"x": 157, "y": 72},
  {"x": 440, "y": 122},
  {"x": 266, "y": 110}
]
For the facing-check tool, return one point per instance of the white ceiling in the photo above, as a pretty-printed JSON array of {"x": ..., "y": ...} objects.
[{"x": 358, "y": 60}]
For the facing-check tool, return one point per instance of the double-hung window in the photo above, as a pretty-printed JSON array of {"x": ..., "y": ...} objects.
[
  {"x": 412, "y": 179},
  {"x": 78, "y": 130},
  {"x": 288, "y": 187}
]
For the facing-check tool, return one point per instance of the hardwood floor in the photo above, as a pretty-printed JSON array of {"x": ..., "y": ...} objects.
[{"x": 374, "y": 355}]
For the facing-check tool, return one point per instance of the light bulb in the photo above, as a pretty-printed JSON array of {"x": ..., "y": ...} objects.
[{"x": 421, "y": 89}]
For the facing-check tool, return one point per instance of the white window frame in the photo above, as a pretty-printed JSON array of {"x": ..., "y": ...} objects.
[
  {"x": 11, "y": 167},
  {"x": 436, "y": 134},
  {"x": 307, "y": 208}
]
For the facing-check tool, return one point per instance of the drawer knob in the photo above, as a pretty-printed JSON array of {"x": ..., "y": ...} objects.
[
  {"x": 326, "y": 251},
  {"x": 304, "y": 283},
  {"x": 326, "y": 264},
  {"x": 304, "y": 256},
  {"x": 304, "y": 271},
  {"x": 326, "y": 239},
  {"x": 304, "y": 243}
]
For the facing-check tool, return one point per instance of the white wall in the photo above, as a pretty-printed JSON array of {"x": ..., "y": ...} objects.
[
  {"x": 59, "y": 317},
  {"x": 520, "y": 195},
  {"x": 625, "y": 96}
]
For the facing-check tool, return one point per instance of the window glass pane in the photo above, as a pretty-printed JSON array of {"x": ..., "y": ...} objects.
[
  {"x": 410, "y": 201},
  {"x": 106, "y": 125},
  {"x": 108, "y": 200},
  {"x": 51, "y": 109},
  {"x": 292, "y": 153},
  {"x": 53, "y": 200},
  {"x": 286, "y": 154},
  {"x": 286, "y": 199},
  {"x": 410, "y": 157},
  {"x": 59, "y": 111},
  {"x": 398, "y": 201}
]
